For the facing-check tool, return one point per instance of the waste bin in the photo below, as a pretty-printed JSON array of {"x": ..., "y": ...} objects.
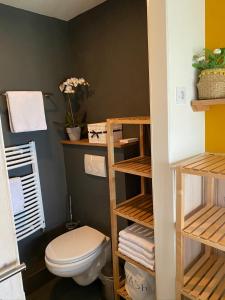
[{"x": 106, "y": 277}]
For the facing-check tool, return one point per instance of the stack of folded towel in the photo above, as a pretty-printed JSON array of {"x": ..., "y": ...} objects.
[{"x": 137, "y": 242}]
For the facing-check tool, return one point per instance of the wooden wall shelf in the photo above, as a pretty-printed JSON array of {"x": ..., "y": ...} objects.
[
  {"x": 204, "y": 105},
  {"x": 85, "y": 142}
]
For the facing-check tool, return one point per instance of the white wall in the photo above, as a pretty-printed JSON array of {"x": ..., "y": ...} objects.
[
  {"x": 176, "y": 31},
  {"x": 185, "y": 37}
]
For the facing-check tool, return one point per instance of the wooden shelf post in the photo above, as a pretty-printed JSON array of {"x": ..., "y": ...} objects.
[
  {"x": 112, "y": 192},
  {"x": 179, "y": 236}
]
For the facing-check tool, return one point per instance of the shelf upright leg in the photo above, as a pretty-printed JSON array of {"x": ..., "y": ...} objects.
[
  {"x": 179, "y": 237},
  {"x": 112, "y": 192},
  {"x": 209, "y": 200},
  {"x": 142, "y": 152}
]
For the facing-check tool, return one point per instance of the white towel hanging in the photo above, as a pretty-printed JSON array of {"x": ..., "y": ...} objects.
[
  {"x": 26, "y": 111},
  {"x": 16, "y": 193}
]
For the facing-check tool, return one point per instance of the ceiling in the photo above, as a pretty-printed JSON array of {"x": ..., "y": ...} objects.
[{"x": 60, "y": 9}]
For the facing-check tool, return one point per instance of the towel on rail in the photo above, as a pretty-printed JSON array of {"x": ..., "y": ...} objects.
[
  {"x": 26, "y": 111},
  {"x": 17, "y": 197},
  {"x": 140, "y": 236},
  {"x": 136, "y": 249}
]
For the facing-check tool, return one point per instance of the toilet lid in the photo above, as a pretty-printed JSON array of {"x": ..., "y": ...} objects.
[{"x": 74, "y": 245}]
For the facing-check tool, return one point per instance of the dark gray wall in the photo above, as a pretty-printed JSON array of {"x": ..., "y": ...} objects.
[
  {"x": 107, "y": 46},
  {"x": 90, "y": 194},
  {"x": 35, "y": 55},
  {"x": 109, "y": 49}
]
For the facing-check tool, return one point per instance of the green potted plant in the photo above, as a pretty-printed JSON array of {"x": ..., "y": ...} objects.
[
  {"x": 211, "y": 65},
  {"x": 75, "y": 90}
]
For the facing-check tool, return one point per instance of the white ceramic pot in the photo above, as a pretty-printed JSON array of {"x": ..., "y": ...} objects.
[{"x": 74, "y": 133}]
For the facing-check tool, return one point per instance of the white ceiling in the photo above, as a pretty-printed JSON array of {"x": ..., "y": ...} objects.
[{"x": 60, "y": 9}]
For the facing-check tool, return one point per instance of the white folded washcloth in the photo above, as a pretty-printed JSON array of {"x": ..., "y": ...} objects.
[
  {"x": 136, "y": 254},
  {"x": 17, "y": 197},
  {"x": 26, "y": 111},
  {"x": 136, "y": 249},
  {"x": 139, "y": 235},
  {"x": 149, "y": 265}
]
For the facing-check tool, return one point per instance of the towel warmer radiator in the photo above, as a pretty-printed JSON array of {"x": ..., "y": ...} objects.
[{"x": 32, "y": 218}]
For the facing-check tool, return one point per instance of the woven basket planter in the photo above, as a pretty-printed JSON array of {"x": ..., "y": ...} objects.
[{"x": 211, "y": 84}]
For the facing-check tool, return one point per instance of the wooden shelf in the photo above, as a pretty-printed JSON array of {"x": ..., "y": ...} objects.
[
  {"x": 123, "y": 293},
  {"x": 142, "y": 120},
  {"x": 207, "y": 226},
  {"x": 137, "y": 264},
  {"x": 138, "y": 209},
  {"x": 207, "y": 164},
  {"x": 204, "y": 105},
  {"x": 85, "y": 142},
  {"x": 140, "y": 166},
  {"x": 206, "y": 279}
]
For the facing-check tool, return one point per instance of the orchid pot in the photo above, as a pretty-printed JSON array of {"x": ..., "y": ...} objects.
[{"x": 74, "y": 133}]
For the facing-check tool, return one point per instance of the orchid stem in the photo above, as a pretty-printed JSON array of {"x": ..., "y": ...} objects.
[{"x": 71, "y": 110}]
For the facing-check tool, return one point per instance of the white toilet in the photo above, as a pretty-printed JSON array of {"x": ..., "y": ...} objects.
[{"x": 80, "y": 253}]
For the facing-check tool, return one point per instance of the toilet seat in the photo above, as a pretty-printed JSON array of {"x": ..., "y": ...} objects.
[{"x": 74, "y": 246}]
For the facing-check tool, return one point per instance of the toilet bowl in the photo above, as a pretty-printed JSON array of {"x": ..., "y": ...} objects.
[{"x": 80, "y": 253}]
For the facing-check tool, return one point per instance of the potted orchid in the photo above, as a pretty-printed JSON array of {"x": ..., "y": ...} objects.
[{"x": 74, "y": 91}]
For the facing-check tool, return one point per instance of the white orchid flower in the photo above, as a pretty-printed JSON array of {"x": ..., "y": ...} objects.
[
  {"x": 201, "y": 58},
  {"x": 81, "y": 81},
  {"x": 217, "y": 51},
  {"x": 69, "y": 90},
  {"x": 62, "y": 87}
]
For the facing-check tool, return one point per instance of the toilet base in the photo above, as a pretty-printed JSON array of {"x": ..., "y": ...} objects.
[{"x": 92, "y": 273}]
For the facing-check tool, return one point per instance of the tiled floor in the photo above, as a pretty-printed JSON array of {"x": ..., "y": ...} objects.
[{"x": 66, "y": 289}]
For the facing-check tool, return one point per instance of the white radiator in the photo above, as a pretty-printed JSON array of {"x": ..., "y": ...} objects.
[{"x": 32, "y": 218}]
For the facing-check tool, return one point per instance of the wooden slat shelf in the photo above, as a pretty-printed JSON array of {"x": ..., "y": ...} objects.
[
  {"x": 142, "y": 120},
  {"x": 204, "y": 105},
  {"x": 207, "y": 226},
  {"x": 137, "y": 264},
  {"x": 207, "y": 164},
  {"x": 140, "y": 166},
  {"x": 206, "y": 279},
  {"x": 85, "y": 142},
  {"x": 123, "y": 293},
  {"x": 138, "y": 209}
]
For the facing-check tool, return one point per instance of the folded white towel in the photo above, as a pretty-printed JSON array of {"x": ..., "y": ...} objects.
[
  {"x": 16, "y": 192},
  {"x": 136, "y": 254},
  {"x": 149, "y": 265},
  {"x": 136, "y": 249},
  {"x": 26, "y": 111},
  {"x": 139, "y": 235}
]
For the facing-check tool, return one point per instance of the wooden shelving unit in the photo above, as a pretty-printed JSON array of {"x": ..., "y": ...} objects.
[
  {"x": 204, "y": 105},
  {"x": 205, "y": 279},
  {"x": 138, "y": 209}
]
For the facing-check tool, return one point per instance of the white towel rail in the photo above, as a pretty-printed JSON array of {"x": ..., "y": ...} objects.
[{"x": 32, "y": 218}]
